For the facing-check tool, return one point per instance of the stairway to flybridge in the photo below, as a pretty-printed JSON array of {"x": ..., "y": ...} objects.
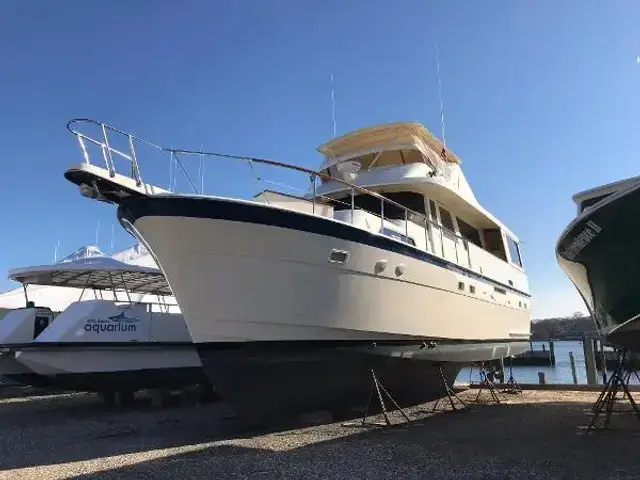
[{"x": 104, "y": 149}]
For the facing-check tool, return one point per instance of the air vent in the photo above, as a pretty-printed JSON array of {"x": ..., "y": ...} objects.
[
  {"x": 472, "y": 288},
  {"x": 339, "y": 256},
  {"x": 460, "y": 285}
]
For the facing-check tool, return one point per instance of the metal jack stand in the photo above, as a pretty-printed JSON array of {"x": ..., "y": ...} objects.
[
  {"x": 379, "y": 388},
  {"x": 487, "y": 383},
  {"x": 451, "y": 394},
  {"x": 512, "y": 385},
  {"x": 617, "y": 383}
]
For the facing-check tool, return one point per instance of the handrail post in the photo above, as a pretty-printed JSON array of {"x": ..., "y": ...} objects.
[
  {"x": 353, "y": 204},
  {"x": 441, "y": 240},
  {"x": 110, "y": 166},
  {"x": 84, "y": 149},
  {"x": 381, "y": 213},
  {"x": 406, "y": 223},
  {"x": 313, "y": 181},
  {"x": 426, "y": 236},
  {"x": 134, "y": 162},
  {"x": 457, "y": 258}
]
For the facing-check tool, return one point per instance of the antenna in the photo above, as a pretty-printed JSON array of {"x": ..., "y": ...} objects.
[
  {"x": 55, "y": 252},
  {"x": 333, "y": 104},
  {"x": 170, "y": 170},
  {"x": 444, "y": 140},
  {"x": 112, "y": 236},
  {"x": 201, "y": 169},
  {"x": 98, "y": 234}
]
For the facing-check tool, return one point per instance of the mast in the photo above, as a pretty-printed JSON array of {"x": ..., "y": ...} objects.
[
  {"x": 444, "y": 139},
  {"x": 333, "y": 105}
]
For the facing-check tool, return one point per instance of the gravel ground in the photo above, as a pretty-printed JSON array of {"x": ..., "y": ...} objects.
[{"x": 533, "y": 435}]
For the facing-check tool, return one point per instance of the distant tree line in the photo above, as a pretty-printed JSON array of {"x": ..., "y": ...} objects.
[{"x": 564, "y": 328}]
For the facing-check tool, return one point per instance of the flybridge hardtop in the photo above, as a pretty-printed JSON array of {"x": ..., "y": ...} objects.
[
  {"x": 401, "y": 156},
  {"x": 400, "y": 139},
  {"x": 95, "y": 273}
]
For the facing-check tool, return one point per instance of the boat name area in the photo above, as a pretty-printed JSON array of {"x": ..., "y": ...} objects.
[
  {"x": 581, "y": 240},
  {"x": 116, "y": 323}
]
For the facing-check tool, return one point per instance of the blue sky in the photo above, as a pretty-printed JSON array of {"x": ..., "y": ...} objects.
[{"x": 541, "y": 101}]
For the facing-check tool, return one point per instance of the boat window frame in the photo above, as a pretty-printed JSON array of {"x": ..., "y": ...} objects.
[
  {"x": 438, "y": 220},
  {"x": 508, "y": 240},
  {"x": 478, "y": 231}
]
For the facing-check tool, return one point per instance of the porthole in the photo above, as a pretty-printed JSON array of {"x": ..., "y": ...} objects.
[{"x": 338, "y": 256}]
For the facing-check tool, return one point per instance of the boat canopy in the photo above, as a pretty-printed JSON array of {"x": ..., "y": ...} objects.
[
  {"x": 400, "y": 142},
  {"x": 95, "y": 273}
]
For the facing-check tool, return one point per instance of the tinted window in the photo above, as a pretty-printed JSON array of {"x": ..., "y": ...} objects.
[
  {"x": 446, "y": 220},
  {"x": 493, "y": 241},
  {"x": 412, "y": 201},
  {"x": 514, "y": 251},
  {"x": 470, "y": 233}
]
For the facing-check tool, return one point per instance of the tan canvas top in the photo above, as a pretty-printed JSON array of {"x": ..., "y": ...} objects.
[{"x": 387, "y": 136}]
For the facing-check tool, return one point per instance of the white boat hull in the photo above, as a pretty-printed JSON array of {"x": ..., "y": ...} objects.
[
  {"x": 239, "y": 282},
  {"x": 111, "y": 367},
  {"x": 270, "y": 312}
]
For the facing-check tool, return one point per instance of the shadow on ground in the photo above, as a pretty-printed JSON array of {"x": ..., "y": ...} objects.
[{"x": 520, "y": 440}]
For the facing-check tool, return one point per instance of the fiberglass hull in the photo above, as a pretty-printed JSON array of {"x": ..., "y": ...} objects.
[{"x": 274, "y": 315}]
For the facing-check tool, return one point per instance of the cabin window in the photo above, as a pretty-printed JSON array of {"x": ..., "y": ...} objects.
[
  {"x": 514, "y": 251},
  {"x": 446, "y": 220},
  {"x": 410, "y": 200},
  {"x": 493, "y": 242},
  {"x": 470, "y": 233}
]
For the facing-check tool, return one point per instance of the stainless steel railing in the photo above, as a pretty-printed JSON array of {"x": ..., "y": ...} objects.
[{"x": 102, "y": 141}]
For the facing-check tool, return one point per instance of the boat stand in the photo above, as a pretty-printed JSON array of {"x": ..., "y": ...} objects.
[
  {"x": 451, "y": 394},
  {"x": 487, "y": 383},
  {"x": 380, "y": 390},
  {"x": 618, "y": 382},
  {"x": 512, "y": 386}
]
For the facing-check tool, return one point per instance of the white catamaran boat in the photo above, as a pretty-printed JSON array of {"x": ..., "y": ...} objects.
[
  {"x": 388, "y": 263},
  {"x": 110, "y": 343}
]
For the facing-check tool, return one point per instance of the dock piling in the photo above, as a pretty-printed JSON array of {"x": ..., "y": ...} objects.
[
  {"x": 573, "y": 368},
  {"x": 590, "y": 361},
  {"x": 541, "y": 379}
]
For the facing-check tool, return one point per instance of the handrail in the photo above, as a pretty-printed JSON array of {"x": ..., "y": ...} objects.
[{"x": 108, "y": 150}]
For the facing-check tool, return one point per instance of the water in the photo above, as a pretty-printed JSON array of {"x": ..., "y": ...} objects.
[{"x": 560, "y": 373}]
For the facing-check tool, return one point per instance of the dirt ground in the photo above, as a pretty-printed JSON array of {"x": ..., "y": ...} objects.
[{"x": 533, "y": 435}]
